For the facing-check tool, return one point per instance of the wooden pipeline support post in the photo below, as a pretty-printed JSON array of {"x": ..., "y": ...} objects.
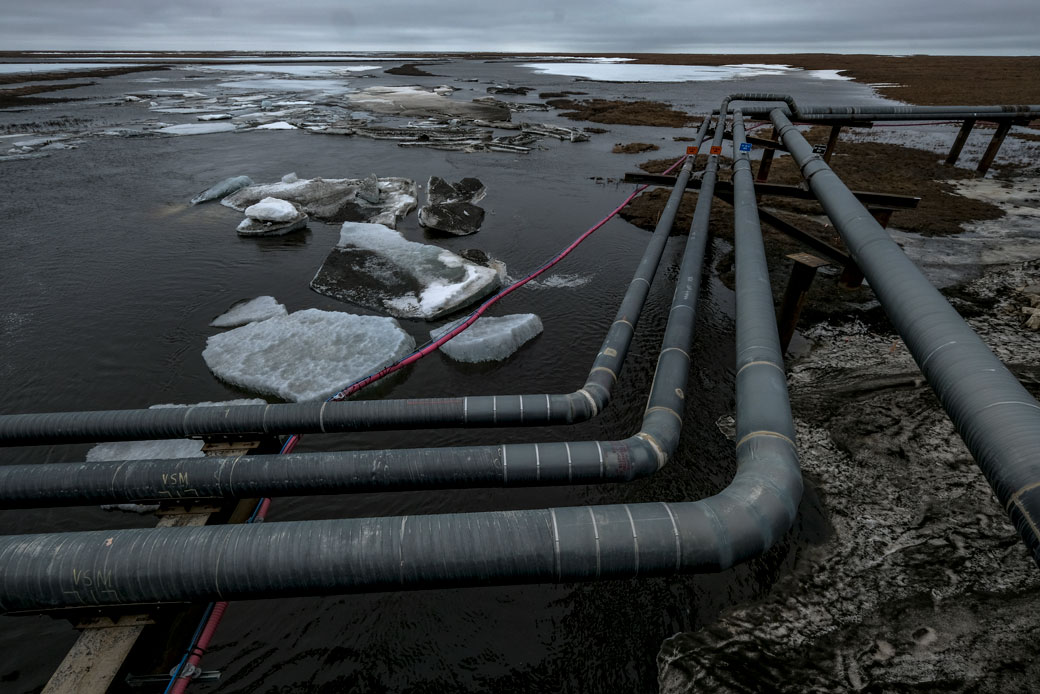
[
  {"x": 958, "y": 144},
  {"x": 994, "y": 146},
  {"x": 831, "y": 142},
  {"x": 802, "y": 273},
  {"x": 767, "y": 160}
]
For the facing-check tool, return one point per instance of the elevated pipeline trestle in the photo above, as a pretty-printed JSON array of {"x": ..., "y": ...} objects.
[{"x": 995, "y": 415}]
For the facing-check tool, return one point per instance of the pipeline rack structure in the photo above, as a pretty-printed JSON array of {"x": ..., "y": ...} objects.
[{"x": 145, "y": 585}]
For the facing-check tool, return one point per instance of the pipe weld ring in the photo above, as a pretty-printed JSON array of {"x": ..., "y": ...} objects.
[
  {"x": 662, "y": 457},
  {"x": 609, "y": 371},
  {"x": 773, "y": 434},
  {"x": 661, "y": 408},
  {"x": 762, "y": 362}
]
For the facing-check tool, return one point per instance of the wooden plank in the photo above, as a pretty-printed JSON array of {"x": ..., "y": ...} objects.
[{"x": 890, "y": 200}]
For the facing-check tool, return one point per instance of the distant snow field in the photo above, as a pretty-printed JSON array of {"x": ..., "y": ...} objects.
[{"x": 627, "y": 72}]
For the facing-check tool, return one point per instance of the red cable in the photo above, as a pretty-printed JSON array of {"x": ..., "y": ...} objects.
[{"x": 181, "y": 683}]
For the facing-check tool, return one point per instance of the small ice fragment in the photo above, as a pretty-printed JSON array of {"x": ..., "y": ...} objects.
[
  {"x": 249, "y": 311},
  {"x": 489, "y": 339},
  {"x": 335, "y": 200},
  {"x": 215, "y": 116},
  {"x": 306, "y": 355},
  {"x": 290, "y": 178},
  {"x": 369, "y": 190},
  {"x": 280, "y": 125},
  {"x": 451, "y": 207},
  {"x": 272, "y": 210},
  {"x": 225, "y": 187},
  {"x": 197, "y": 128}
]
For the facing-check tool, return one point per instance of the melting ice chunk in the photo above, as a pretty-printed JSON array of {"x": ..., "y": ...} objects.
[
  {"x": 225, "y": 187},
  {"x": 375, "y": 266},
  {"x": 198, "y": 128},
  {"x": 335, "y": 200},
  {"x": 306, "y": 355},
  {"x": 489, "y": 339},
  {"x": 272, "y": 210},
  {"x": 250, "y": 311}
]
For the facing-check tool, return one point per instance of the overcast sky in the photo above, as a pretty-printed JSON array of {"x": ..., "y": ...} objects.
[{"x": 996, "y": 27}]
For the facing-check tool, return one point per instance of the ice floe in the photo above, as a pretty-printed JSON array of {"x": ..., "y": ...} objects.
[
  {"x": 420, "y": 101},
  {"x": 272, "y": 217},
  {"x": 163, "y": 448},
  {"x": 249, "y": 311},
  {"x": 489, "y": 338},
  {"x": 306, "y": 355},
  {"x": 222, "y": 189},
  {"x": 450, "y": 207},
  {"x": 335, "y": 200},
  {"x": 198, "y": 128},
  {"x": 374, "y": 266},
  {"x": 278, "y": 125}
]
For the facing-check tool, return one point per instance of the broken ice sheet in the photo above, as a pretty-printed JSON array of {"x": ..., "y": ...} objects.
[
  {"x": 306, "y": 355},
  {"x": 198, "y": 128},
  {"x": 335, "y": 200},
  {"x": 374, "y": 266},
  {"x": 489, "y": 338},
  {"x": 249, "y": 311}
]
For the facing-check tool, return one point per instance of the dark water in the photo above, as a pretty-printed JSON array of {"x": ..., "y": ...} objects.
[{"x": 110, "y": 280}]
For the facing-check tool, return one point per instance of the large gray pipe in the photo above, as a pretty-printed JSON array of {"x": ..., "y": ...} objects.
[
  {"x": 374, "y": 415},
  {"x": 532, "y": 546},
  {"x": 882, "y": 113},
  {"x": 997, "y": 418}
]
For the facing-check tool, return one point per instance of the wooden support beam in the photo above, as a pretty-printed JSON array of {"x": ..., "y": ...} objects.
[
  {"x": 767, "y": 160},
  {"x": 896, "y": 202},
  {"x": 958, "y": 144},
  {"x": 802, "y": 273},
  {"x": 831, "y": 142},
  {"x": 994, "y": 146}
]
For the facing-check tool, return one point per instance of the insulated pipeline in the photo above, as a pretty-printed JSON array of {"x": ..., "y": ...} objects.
[
  {"x": 370, "y": 415},
  {"x": 398, "y": 469},
  {"x": 995, "y": 415},
  {"x": 882, "y": 113}
]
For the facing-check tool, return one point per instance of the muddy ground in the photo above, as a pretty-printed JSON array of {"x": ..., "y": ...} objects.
[{"x": 922, "y": 585}]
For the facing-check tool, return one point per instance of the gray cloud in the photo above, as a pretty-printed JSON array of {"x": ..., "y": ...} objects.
[{"x": 694, "y": 26}]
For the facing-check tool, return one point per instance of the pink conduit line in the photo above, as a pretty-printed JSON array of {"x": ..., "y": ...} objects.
[{"x": 181, "y": 682}]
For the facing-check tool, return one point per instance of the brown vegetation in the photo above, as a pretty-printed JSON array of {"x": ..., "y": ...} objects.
[
  {"x": 634, "y": 148},
  {"x": 622, "y": 112},
  {"x": 410, "y": 70},
  {"x": 22, "y": 96}
]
